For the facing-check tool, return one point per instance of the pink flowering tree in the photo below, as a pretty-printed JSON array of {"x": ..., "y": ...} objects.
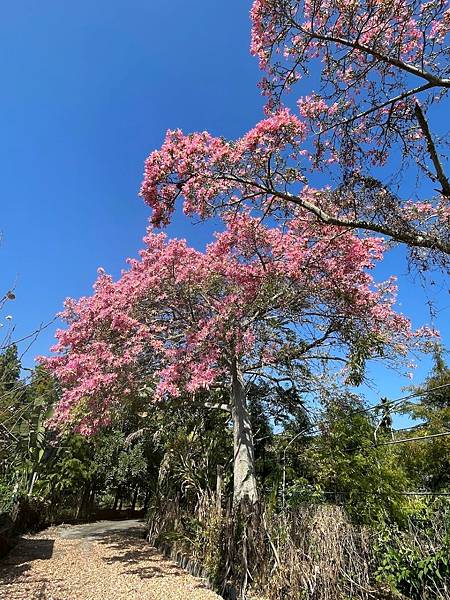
[
  {"x": 380, "y": 69},
  {"x": 383, "y": 67},
  {"x": 259, "y": 303}
]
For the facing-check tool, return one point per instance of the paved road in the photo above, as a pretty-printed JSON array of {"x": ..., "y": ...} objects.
[
  {"x": 106, "y": 560},
  {"x": 98, "y": 530}
]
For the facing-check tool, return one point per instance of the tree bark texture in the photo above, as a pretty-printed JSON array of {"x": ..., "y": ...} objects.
[{"x": 244, "y": 457}]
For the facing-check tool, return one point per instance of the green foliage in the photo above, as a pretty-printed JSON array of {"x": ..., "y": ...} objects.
[
  {"x": 416, "y": 561},
  {"x": 24, "y": 410},
  {"x": 70, "y": 467},
  {"x": 63, "y": 472},
  {"x": 117, "y": 463},
  {"x": 350, "y": 469},
  {"x": 11, "y": 400},
  {"x": 192, "y": 446},
  {"x": 9, "y": 369},
  {"x": 428, "y": 462},
  {"x": 364, "y": 347},
  {"x": 6, "y": 495},
  {"x": 301, "y": 492}
]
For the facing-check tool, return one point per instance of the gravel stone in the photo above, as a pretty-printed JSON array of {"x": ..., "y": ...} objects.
[{"x": 95, "y": 563}]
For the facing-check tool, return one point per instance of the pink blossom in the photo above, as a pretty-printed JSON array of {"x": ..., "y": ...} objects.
[{"x": 177, "y": 316}]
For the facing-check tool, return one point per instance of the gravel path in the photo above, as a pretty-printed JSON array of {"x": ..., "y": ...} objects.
[{"x": 98, "y": 561}]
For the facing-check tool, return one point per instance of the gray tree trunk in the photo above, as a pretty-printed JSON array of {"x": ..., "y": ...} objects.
[{"x": 244, "y": 487}]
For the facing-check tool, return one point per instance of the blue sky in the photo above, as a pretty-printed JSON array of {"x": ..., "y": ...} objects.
[{"x": 88, "y": 90}]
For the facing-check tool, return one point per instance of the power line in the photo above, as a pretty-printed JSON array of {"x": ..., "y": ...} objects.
[
  {"x": 414, "y": 439},
  {"x": 411, "y": 428},
  {"x": 369, "y": 493},
  {"x": 397, "y": 400},
  {"x": 383, "y": 405},
  {"x": 392, "y": 442}
]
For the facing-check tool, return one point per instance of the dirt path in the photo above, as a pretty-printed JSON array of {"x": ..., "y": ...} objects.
[{"x": 99, "y": 561}]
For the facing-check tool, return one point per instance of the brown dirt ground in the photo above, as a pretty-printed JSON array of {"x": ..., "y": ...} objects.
[{"x": 111, "y": 565}]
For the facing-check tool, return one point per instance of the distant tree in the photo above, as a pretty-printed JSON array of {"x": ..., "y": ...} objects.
[
  {"x": 436, "y": 389},
  {"x": 9, "y": 368},
  {"x": 350, "y": 468},
  {"x": 11, "y": 399},
  {"x": 43, "y": 388},
  {"x": 429, "y": 461},
  {"x": 11, "y": 388}
]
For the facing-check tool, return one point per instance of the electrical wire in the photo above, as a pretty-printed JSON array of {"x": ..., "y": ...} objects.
[
  {"x": 398, "y": 400},
  {"x": 369, "y": 493},
  {"x": 384, "y": 405},
  {"x": 414, "y": 439}
]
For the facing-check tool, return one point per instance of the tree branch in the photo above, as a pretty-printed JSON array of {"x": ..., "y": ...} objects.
[
  {"x": 419, "y": 240},
  {"x": 416, "y": 90},
  {"x": 431, "y": 147},
  {"x": 390, "y": 60}
]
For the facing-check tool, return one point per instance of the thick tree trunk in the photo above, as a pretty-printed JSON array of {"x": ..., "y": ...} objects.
[{"x": 244, "y": 457}]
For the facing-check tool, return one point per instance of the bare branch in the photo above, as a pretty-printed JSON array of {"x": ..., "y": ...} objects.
[
  {"x": 390, "y": 60},
  {"x": 431, "y": 147}
]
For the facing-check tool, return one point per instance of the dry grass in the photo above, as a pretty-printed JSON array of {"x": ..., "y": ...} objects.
[
  {"x": 322, "y": 557},
  {"x": 314, "y": 553}
]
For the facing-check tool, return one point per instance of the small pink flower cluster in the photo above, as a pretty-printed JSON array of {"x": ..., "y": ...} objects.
[{"x": 203, "y": 169}]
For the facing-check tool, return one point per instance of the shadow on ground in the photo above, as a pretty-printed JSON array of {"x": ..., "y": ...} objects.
[
  {"x": 16, "y": 564},
  {"x": 129, "y": 547}
]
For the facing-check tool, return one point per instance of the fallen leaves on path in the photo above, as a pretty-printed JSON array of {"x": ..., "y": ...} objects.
[{"x": 113, "y": 566}]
